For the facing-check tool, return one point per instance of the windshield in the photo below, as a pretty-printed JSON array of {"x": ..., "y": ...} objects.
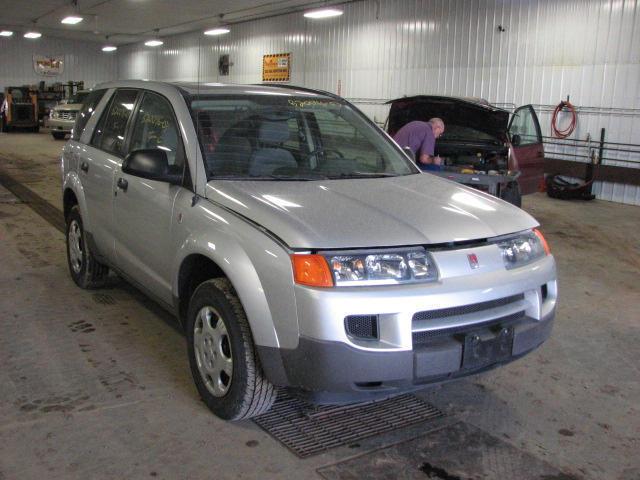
[
  {"x": 77, "y": 98},
  {"x": 286, "y": 137}
]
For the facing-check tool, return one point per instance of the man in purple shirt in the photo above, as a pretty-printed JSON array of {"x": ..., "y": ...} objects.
[{"x": 421, "y": 137}]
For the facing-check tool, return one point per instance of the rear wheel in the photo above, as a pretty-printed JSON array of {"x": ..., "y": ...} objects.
[
  {"x": 223, "y": 360},
  {"x": 85, "y": 270}
]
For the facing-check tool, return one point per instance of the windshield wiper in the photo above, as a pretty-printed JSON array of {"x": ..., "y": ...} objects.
[
  {"x": 364, "y": 175},
  {"x": 280, "y": 178}
]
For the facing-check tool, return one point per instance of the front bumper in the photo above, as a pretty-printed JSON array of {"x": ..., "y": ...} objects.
[
  {"x": 423, "y": 333},
  {"x": 333, "y": 372},
  {"x": 58, "y": 125}
]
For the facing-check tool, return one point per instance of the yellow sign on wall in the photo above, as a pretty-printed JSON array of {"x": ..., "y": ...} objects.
[{"x": 276, "y": 67}]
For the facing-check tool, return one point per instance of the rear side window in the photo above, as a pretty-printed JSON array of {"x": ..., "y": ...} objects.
[
  {"x": 90, "y": 103},
  {"x": 110, "y": 132}
]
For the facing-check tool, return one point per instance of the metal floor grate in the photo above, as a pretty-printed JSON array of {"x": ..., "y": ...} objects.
[{"x": 308, "y": 430}]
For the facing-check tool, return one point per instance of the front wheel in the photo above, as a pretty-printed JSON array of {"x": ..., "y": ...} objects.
[
  {"x": 223, "y": 360},
  {"x": 58, "y": 135}
]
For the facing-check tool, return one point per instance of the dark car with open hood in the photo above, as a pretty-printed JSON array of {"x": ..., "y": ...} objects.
[{"x": 484, "y": 146}]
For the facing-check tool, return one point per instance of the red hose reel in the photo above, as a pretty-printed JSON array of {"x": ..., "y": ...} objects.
[{"x": 565, "y": 132}]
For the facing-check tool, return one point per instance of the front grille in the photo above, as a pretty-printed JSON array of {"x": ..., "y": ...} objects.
[
  {"x": 493, "y": 324},
  {"x": 465, "y": 309},
  {"x": 67, "y": 115},
  {"x": 362, "y": 326}
]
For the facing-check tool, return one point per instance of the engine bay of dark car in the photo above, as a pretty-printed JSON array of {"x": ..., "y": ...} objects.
[{"x": 473, "y": 157}]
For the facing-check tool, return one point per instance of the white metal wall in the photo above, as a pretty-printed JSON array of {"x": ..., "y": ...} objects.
[
  {"x": 83, "y": 61},
  {"x": 587, "y": 49}
]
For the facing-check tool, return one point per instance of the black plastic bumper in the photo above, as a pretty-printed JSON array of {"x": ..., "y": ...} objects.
[{"x": 333, "y": 372}]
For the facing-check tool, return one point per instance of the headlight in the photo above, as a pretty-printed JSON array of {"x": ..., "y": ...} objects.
[
  {"x": 523, "y": 249},
  {"x": 54, "y": 114},
  {"x": 382, "y": 268}
]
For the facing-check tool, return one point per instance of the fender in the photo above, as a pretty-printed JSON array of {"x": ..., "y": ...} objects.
[
  {"x": 259, "y": 269},
  {"x": 72, "y": 182}
]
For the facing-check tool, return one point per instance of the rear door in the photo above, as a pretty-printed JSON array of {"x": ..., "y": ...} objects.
[
  {"x": 97, "y": 164},
  {"x": 528, "y": 149},
  {"x": 144, "y": 209}
]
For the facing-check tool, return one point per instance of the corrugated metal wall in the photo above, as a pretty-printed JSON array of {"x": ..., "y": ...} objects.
[
  {"x": 83, "y": 61},
  {"x": 587, "y": 49}
]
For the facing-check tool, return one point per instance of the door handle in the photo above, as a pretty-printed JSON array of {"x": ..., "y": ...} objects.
[
  {"x": 122, "y": 184},
  {"x": 84, "y": 166}
]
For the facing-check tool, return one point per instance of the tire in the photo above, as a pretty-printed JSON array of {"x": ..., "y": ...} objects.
[
  {"x": 511, "y": 194},
  {"x": 58, "y": 135},
  {"x": 223, "y": 360},
  {"x": 85, "y": 270}
]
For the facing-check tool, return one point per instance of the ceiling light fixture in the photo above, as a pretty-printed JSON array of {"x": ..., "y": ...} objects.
[
  {"x": 217, "y": 31},
  {"x": 109, "y": 48},
  {"x": 6, "y": 33},
  {"x": 154, "y": 42},
  {"x": 32, "y": 35},
  {"x": 71, "y": 20},
  {"x": 323, "y": 13}
]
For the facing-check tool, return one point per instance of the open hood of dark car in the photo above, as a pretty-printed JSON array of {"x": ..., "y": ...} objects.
[{"x": 470, "y": 113}]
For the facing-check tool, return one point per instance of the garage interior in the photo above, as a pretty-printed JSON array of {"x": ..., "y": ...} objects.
[{"x": 95, "y": 384}]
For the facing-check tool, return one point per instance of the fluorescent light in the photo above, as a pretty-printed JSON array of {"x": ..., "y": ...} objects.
[
  {"x": 324, "y": 13},
  {"x": 217, "y": 31},
  {"x": 71, "y": 20},
  {"x": 6, "y": 33},
  {"x": 32, "y": 35},
  {"x": 109, "y": 48},
  {"x": 153, "y": 43}
]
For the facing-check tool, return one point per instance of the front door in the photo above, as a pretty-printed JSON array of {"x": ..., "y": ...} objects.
[
  {"x": 143, "y": 208},
  {"x": 527, "y": 149}
]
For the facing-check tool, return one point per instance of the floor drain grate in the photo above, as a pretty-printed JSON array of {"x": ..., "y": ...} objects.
[{"x": 308, "y": 430}]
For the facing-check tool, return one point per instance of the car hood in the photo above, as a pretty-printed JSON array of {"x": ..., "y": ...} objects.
[
  {"x": 68, "y": 107},
  {"x": 418, "y": 209},
  {"x": 472, "y": 113}
]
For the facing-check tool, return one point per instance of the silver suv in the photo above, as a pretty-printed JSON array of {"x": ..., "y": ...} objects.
[
  {"x": 297, "y": 245},
  {"x": 62, "y": 117}
]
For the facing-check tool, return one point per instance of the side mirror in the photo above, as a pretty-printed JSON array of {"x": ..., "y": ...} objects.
[
  {"x": 516, "y": 140},
  {"x": 409, "y": 153},
  {"x": 153, "y": 164}
]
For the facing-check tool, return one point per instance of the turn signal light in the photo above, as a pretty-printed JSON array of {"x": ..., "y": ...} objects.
[
  {"x": 311, "y": 270},
  {"x": 544, "y": 243}
]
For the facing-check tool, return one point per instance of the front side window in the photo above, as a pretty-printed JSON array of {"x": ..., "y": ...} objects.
[
  {"x": 524, "y": 124},
  {"x": 287, "y": 136},
  {"x": 88, "y": 109},
  {"x": 110, "y": 132},
  {"x": 155, "y": 127}
]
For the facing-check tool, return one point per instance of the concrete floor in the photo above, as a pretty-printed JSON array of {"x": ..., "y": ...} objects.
[{"x": 97, "y": 385}]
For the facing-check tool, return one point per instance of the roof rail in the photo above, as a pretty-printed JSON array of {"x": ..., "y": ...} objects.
[{"x": 304, "y": 89}]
